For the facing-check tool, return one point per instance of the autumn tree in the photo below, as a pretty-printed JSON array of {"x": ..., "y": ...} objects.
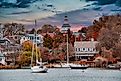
[
  {"x": 26, "y": 55},
  {"x": 109, "y": 33},
  {"x": 47, "y": 28},
  {"x": 48, "y": 41},
  {"x": 32, "y": 31},
  {"x": 13, "y": 29}
]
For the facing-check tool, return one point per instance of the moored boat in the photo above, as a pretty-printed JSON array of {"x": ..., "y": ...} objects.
[
  {"x": 113, "y": 66},
  {"x": 39, "y": 69},
  {"x": 78, "y": 66}
]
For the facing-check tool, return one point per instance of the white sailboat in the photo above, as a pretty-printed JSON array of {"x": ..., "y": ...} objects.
[{"x": 39, "y": 67}]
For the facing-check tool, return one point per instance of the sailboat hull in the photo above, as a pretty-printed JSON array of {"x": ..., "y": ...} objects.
[
  {"x": 78, "y": 66},
  {"x": 39, "y": 69}
]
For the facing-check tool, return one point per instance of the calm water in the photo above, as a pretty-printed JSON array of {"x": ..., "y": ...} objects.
[{"x": 61, "y": 75}]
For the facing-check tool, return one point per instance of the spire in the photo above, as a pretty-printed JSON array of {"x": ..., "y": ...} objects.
[
  {"x": 66, "y": 20},
  {"x": 65, "y": 25}
]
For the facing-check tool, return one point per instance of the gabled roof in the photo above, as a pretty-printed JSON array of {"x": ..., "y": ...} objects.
[{"x": 86, "y": 44}]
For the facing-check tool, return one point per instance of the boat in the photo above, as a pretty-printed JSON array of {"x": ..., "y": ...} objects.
[
  {"x": 78, "y": 66},
  {"x": 113, "y": 66},
  {"x": 67, "y": 64},
  {"x": 62, "y": 65},
  {"x": 39, "y": 67}
]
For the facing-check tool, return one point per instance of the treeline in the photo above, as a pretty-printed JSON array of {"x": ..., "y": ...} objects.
[{"x": 107, "y": 30}]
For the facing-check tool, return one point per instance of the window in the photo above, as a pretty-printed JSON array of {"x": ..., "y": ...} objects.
[
  {"x": 37, "y": 38},
  {"x": 82, "y": 49},
  {"x": 79, "y": 49},
  {"x": 76, "y": 49},
  {"x": 15, "y": 37},
  {"x": 91, "y": 49}
]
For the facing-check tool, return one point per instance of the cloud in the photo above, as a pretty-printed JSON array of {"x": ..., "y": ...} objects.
[
  {"x": 16, "y": 3},
  {"x": 104, "y": 2}
]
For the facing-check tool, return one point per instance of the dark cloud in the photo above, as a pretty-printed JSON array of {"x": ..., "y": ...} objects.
[
  {"x": 16, "y": 3},
  {"x": 104, "y": 2}
]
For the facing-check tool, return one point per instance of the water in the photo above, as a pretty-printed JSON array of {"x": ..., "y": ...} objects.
[{"x": 61, "y": 75}]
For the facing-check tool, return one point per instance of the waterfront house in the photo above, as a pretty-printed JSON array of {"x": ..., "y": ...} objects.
[
  {"x": 31, "y": 37},
  {"x": 85, "y": 49}
]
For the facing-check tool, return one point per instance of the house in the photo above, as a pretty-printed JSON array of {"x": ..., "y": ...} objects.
[
  {"x": 2, "y": 57},
  {"x": 10, "y": 49},
  {"x": 32, "y": 37},
  {"x": 85, "y": 49},
  {"x": 15, "y": 38}
]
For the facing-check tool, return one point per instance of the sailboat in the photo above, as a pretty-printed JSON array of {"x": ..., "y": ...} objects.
[
  {"x": 67, "y": 64},
  {"x": 39, "y": 67},
  {"x": 78, "y": 66}
]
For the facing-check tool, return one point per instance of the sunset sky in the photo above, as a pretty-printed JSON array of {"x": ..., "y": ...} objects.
[{"x": 79, "y": 12}]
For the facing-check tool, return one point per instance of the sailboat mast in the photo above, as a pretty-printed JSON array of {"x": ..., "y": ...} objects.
[
  {"x": 35, "y": 33},
  {"x": 36, "y": 49},
  {"x": 67, "y": 50},
  {"x": 34, "y": 42}
]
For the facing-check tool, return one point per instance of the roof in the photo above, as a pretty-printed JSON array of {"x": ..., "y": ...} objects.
[
  {"x": 34, "y": 35},
  {"x": 66, "y": 25},
  {"x": 85, "y": 44}
]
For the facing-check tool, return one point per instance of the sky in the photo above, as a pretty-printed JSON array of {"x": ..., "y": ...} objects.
[{"x": 79, "y": 12}]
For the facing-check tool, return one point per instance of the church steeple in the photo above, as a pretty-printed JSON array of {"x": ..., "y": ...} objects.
[{"x": 65, "y": 25}]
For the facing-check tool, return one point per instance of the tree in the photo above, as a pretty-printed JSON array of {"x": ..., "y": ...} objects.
[
  {"x": 27, "y": 53},
  {"x": 13, "y": 29},
  {"x": 32, "y": 31},
  {"x": 108, "y": 38},
  {"x": 48, "y": 41},
  {"x": 47, "y": 28},
  {"x": 110, "y": 35}
]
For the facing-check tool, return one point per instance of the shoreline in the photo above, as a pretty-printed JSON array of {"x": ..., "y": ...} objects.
[{"x": 16, "y": 67}]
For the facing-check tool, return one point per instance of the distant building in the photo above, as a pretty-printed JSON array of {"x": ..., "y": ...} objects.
[
  {"x": 65, "y": 25},
  {"x": 2, "y": 57},
  {"x": 10, "y": 50},
  {"x": 85, "y": 49},
  {"x": 15, "y": 38},
  {"x": 31, "y": 37}
]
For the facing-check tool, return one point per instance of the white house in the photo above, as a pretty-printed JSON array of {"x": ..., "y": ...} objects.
[
  {"x": 38, "y": 38},
  {"x": 85, "y": 49},
  {"x": 2, "y": 57}
]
